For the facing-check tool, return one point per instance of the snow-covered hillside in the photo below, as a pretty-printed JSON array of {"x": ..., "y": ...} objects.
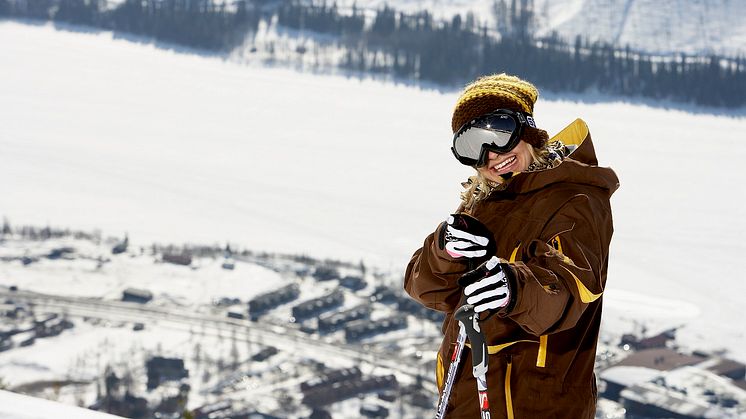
[
  {"x": 659, "y": 26},
  {"x": 105, "y": 133}
]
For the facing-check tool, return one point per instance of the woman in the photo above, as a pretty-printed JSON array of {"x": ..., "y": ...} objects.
[{"x": 536, "y": 224}]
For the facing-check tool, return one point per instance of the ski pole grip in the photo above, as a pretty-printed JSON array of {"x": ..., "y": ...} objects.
[{"x": 470, "y": 319}]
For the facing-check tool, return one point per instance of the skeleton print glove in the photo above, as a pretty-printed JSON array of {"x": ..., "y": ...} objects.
[
  {"x": 463, "y": 236},
  {"x": 488, "y": 286}
]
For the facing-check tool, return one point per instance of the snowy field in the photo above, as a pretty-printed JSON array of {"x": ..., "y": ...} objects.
[{"x": 97, "y": 132}]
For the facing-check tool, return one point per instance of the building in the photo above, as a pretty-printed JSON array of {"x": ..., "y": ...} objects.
[
  {"x": 353, "y": 282},
  {"x": 162, "y": 369},
  {"x": 270, "y": 300},
  {"x": 135, "y": 295},
  {"x": 727, "y": 368},
  {"x": 334, "y": 321},
  {"x": 319, "y": 305},
  {"x": 662, "y": 359},
  {"x": 184, "y": 258},
  {"x": 361, "y": 329},
  {"x": 685, "y": 392},
  {"x": 343, "y": 390}
]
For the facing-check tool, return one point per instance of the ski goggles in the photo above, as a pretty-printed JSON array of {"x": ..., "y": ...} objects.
[{"x": 498, "y": 131}]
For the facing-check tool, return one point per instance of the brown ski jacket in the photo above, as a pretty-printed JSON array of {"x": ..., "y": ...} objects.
[{"x": 554, "y": 227}]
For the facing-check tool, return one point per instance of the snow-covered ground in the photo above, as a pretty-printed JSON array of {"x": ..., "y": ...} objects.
[
  {"x": 104, "y": 133},
  {"x": 17, "y": 406}
]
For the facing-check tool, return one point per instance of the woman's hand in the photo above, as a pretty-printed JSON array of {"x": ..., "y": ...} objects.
[
  {"x": 488, "y": 286},
  {"x": 464, "y": 236}
]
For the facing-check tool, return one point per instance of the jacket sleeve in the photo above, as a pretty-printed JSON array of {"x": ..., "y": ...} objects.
[
  {"x": 431, "y": 276},
  {"x": 564, "y": 271}
]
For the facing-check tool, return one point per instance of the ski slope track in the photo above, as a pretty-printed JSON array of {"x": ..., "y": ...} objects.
[{"x": 101, "y": 133}]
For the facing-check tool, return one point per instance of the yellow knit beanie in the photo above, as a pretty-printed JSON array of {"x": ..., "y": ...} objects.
[{"x": 498, "y": 91}]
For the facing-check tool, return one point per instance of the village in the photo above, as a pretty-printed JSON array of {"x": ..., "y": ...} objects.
[{"x": 367, "y": 346}]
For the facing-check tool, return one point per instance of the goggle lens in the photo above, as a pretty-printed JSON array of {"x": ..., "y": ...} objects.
[{"x": 493, "y": 131}]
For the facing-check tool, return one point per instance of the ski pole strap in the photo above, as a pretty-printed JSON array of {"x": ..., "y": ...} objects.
[{"x": 470, "y": 320}]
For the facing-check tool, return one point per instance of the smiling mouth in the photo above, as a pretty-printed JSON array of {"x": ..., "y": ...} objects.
[{"x": 504, "y": 165}]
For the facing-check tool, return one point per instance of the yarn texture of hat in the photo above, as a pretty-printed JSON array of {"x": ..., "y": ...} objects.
[{"x": 498, "y": 91}]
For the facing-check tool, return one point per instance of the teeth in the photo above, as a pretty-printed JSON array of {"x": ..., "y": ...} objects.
[{"x": 505, "y": 163}]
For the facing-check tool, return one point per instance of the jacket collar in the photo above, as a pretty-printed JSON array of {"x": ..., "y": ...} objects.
[{"x": 579, "y": 166}]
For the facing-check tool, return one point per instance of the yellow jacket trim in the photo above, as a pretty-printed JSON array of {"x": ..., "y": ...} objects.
[
  {"x": 508, "y": 397},
  {"x": 439, "y": 372},
  {"x": 541, "y": 357},
  {"x": 515, "y": 252},
  {"x": 586, "y": 295},
  {"x": 493, "y": 349}
]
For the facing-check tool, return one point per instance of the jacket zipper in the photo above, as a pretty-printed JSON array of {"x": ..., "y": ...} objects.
[{"x": 508, "y": 397}]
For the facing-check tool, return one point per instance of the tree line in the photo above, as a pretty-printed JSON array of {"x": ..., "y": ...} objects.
[
  {"x": 416, "y": 46},
  {"x": 201, "y": 24}
]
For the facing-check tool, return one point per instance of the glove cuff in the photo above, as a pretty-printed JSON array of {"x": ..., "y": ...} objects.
[{"x": 512, "y": 284}]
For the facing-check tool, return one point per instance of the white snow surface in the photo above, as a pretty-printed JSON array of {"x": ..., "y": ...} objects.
[
  {"x": 628, "y": 376},
  {"x": 17, "y": 406},
  {"x": 100, "y": 132}
]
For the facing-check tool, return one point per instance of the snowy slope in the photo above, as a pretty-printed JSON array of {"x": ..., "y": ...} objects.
[
  {"x": 169, "y": 147},
  {"x": 16, "y": 406},
  {"x": 660, "y": 26}
]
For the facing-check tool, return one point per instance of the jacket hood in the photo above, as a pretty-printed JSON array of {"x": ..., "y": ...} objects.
[{"x": 579, "y": 166}]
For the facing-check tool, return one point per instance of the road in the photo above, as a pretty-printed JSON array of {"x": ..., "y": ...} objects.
[{"x": 281, "y": 336}]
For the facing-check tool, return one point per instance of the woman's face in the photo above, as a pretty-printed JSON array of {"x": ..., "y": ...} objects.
[{"x": 516, "y": 160}]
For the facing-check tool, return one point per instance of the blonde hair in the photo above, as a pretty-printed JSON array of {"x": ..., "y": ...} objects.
[{"x": 477, "y": 187}]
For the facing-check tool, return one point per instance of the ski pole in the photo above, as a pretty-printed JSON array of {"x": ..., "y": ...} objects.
[
  {"x": 452, "y": 371},
  {"x": 455, "y": 363},
  {"x": 469, "y": 320},
  {"x": 458, "y": 350}
]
